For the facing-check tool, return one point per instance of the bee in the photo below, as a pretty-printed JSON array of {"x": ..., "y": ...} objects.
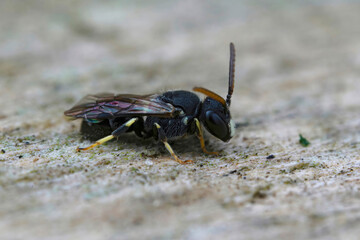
[{"x": 165, "y": 117}]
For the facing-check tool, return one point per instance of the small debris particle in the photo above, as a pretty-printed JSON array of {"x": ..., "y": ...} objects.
[
  {"x": 303, "y": 141},
  {"x": 103, "y": 162},
  {"x": 270, "y": 156},
  {"x": 149, "y": 162},
  {"x": 232, "y": 172},
  {"x": 259, "y": 194},
  {"x": 3, "y": 151},
  {"x": 299, "y": 166},
  {"x": 241, "y": 124},
  {"x": 137, "y": 220},
  {"x": 20, "y": 156}
]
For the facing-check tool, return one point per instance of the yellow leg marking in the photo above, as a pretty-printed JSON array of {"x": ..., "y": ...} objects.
[
  {"x": 171, "y": 151},
  {"x": 130, "y": 122},
  {"x": 107, "y": 138},
  {"x": 168, "y": 147},
  {"x": 201, "y": 138},
  {"x": 97, "y": 143}
]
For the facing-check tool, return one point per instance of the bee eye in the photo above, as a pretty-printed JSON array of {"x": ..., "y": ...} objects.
[
  {"x": 216, "y": 125},
  {"x": 212, "y": 118}
]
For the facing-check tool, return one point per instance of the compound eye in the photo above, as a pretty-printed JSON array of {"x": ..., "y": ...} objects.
[{"x": 216, "y": 125}]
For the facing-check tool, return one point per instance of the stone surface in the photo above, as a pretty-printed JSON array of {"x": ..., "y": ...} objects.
[{"x": 297, "y": 73}]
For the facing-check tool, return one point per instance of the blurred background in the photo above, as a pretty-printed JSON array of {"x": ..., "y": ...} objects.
[
  {"x": 297, "y": 71},
  {"x": 53, "y": 51}
]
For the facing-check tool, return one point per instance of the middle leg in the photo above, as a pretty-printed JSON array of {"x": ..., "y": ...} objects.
[{"x": 162, "y": 137}]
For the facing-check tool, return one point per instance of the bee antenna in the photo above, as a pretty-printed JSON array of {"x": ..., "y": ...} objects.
[{"x": 231, "y": 74}]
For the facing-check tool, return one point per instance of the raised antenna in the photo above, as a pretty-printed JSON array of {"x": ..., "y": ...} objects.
[{"x": 231, "y": 74}]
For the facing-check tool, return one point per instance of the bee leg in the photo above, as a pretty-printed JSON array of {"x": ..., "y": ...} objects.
[
  {"x": 162, "y": 137},
  {"x": 123, "y": 128},
  {"x": 201, "y": 138}
]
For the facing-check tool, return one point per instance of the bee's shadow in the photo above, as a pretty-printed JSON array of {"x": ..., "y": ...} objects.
[
  {"x": 189, "y": 144},
  {"x": 186, "y": 145}
]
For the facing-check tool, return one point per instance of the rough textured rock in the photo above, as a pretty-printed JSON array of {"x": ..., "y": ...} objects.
[{"x": 297, "y": 73}]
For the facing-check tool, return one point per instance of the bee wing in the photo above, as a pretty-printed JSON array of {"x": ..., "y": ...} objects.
[{"x": 107, "y": 106}]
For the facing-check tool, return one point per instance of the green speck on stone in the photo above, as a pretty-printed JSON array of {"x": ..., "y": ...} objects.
[{"x": 303, "y": 141}]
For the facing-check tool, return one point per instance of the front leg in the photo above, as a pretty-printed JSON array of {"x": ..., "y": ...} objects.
[
  {"x": 201, "y": 137},
  {"x": 162, "y": 137},
  {"x": 122, "y": 129}
]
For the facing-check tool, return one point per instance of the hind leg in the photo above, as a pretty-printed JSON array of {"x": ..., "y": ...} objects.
[{"x": 122, "y": 129}]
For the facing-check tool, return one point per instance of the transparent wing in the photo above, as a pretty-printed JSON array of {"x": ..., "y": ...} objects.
[{"x": 107, "y": 106}]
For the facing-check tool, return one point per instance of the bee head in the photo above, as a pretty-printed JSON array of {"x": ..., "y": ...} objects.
[
  {"x": 217, "y": 119},
  {"x": 215, "y": 114}
]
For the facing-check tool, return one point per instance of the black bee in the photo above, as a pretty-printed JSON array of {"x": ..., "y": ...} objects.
[{"x": 165, "y": 116}]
